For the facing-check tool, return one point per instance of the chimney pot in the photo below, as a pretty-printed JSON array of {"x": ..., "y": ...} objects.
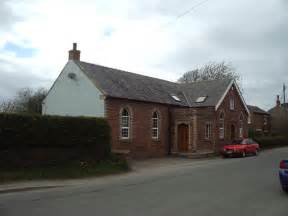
[
  {"x": 74, "y": 54},
  {"x": 278, "y": 103}
]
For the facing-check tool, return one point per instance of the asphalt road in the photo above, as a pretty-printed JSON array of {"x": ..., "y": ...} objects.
[{"x": 248, "y": 186}]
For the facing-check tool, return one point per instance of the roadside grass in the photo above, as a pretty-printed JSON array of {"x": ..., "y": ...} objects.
[{"x": 72, "y": 170}]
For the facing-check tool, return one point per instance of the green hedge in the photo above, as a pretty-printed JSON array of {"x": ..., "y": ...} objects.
[
  {"x": 272, "y": 141},
  {"x": 36, "y": 140}
]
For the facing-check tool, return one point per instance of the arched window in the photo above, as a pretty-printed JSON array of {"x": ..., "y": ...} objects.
[
  {"x": 125, "y": 124},
  {"x": 221, "y": 126},
  {"x": 232, "y": 103},
  {"x": 265, "y": 120},
  {"x": 155, "y": 125},
  {"x": 241, "y": 119}
]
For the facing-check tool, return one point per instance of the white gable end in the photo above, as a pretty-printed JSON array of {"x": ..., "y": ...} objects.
[{"x": 73, "y": 94}]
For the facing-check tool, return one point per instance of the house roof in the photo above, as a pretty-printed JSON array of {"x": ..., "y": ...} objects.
[
  {"x": 255, "y": 109},
  {"x": 284, "y": 107},
  {"x": 213, "y": 90},
  {"x": 122, "y": 84}
]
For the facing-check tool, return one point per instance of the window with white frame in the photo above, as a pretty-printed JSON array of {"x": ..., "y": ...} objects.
[
  {"x": 208, "y": 130},
  {"x": 249, "y": 119},
  {"x": 221, "y": 126},
  {"x": 232, "y": 104},
  {"x": 241, "y": 132},
  {"x": 241, "y": 126},
  {"x": 125, "y": 124},
  {"x": 155, "y": 125},
  {"x": 265, "y": 120}
]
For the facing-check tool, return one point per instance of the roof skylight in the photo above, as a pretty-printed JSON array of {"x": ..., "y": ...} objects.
[
  {"x": 201, "y": 99},
  {"x": 175, "y": 97}
]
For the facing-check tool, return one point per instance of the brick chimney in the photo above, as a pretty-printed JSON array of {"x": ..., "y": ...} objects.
[
  {"x": 278, "y": 103},
  {"x": 74, "y": 54}
]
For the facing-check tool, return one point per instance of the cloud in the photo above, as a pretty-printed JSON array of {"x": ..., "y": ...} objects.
[{"x": 7, "y": 17}]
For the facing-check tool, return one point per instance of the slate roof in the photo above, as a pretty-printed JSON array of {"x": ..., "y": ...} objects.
[
  {"x": 212, "y": 89},
  {"x": 282, "y": 107},
  {"x": 122, "y": 84},
  {"x": 255, "y": 109}
]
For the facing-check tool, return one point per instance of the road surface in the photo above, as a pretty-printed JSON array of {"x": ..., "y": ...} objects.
[{"x": 238, "y": 186}]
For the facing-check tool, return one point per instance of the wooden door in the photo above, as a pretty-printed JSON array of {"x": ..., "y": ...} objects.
[{"x": 183, "y": 137}]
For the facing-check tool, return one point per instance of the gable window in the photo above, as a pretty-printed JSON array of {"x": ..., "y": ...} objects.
[
  {"x": 155, "y": 126},
  {"x": 125, "y": 124},
  {"x": 232, "y": 104},
  {"x": 208, "y": 130},
  {"x": 241, "y": 126},
  {"x": 221, "y": 126}
]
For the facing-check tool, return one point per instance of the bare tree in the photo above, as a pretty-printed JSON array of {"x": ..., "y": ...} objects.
[
  {"x": 26, "y": 101},
  {"x": 7, "y": 106},
  {"x": 210, "y": 71},
  {"x": 190, "y": 76}
]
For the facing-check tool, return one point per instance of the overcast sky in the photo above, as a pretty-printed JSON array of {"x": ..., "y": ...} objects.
[{"x": 152, "y": 37}]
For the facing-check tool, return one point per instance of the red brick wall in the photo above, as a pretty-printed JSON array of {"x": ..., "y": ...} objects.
[
  {"x": 257, "y": 123},
  {"x": 231, "y": 117},
  {"x": 205, "y": 115},
  {"x": 197, "y": 118},
  {"x": 180, "y": 115},
  {"x": 141, "y": 144}
]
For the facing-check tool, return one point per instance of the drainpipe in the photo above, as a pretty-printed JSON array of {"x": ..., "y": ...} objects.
[
  {"x": 215, "y": 135},
  {"x": 169, "y": 130}
]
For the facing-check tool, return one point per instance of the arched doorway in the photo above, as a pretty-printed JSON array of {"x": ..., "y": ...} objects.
[
  {"x": 183, "y": 137},
  {"x": 232, "y": 132}
]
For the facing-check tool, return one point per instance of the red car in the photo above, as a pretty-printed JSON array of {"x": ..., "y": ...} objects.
[{"x": 241, "y": 148}]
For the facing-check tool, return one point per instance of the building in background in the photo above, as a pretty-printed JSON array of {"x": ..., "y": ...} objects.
[
  {"x": 279, "y": 118},
  {"x": 259, "y": 122}
]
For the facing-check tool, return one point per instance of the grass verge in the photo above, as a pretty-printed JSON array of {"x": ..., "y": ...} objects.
[{"x": 72, "y": 170}]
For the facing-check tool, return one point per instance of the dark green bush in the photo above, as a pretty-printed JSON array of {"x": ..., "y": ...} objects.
[
  {"x": 272, "y": 141},
  {"x": 35, "y": 139}
]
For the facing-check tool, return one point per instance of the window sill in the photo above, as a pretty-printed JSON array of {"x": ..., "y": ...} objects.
[
  {"x": 125, "y": 140},
  {"x": 156, "y": 140}
]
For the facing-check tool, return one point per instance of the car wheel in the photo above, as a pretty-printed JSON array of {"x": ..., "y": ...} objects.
[
  {"x": 243, "y": 154},
  {"x": 256, "y": 152}
]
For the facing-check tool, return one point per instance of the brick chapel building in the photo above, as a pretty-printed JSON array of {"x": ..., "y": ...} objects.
[{"x": 150, "y": 117}]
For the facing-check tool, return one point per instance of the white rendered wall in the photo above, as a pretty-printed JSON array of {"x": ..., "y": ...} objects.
[{"x": 73, "y": 97}]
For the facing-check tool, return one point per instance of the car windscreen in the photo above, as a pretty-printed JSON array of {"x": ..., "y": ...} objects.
[{"x": 238, "y": 142}]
